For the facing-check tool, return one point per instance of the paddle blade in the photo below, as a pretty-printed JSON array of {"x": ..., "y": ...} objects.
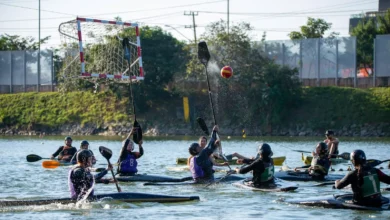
[
  {"x": 107, "y": 153},
  {"x": 203, "y": 53},
  {"x": 374, "y": 163},
  {"x": 345, "y": 156},
  {"x": 137, "y": 136},
  {"x": 33, "y": 158},
  {"x": 302, "y": 151},
  {"x": 50, "y": 164},
  {"x": 203, "y": 125}
]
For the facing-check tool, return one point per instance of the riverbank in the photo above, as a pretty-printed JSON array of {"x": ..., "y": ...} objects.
[{"x": 348, "y": 111}]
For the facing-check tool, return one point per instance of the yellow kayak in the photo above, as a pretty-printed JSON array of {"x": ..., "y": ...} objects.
[
  {"x": 278, "y": 161},
  {"x": 307, "y": 160}
]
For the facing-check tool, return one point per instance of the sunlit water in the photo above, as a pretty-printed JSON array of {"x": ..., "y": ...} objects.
[{"x": 21, "y": 179}]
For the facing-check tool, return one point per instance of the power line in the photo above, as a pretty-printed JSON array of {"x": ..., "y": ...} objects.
[{"x": 281, "y": 13}]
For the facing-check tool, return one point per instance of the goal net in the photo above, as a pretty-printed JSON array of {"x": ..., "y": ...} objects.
[{"x": 100, "y": 49}]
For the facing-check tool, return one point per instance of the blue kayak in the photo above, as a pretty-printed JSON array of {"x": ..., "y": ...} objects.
[
  {"x": 150, "y": 178},
  {"x": 301, "y": 176},
  {"x": 339, "y": 202},
  {"x": 123, "y": 197},
  {"x": 219, "y": 179}
]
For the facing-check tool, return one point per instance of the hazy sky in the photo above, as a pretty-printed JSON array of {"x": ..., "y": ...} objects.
[{"x": 277, "y": 17}]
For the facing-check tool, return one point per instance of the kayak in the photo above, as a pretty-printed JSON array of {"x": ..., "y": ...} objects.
[
  {"x": 52, "y": 164},
  {"x": 150, "y": 178},
  {"x": 123, "y": 197},
  {"x": 219, "y": 179},
  {"x": 278, "y": 161},
  {"x": 302, "y": 176},
  {"x": 278, "y": 186},
  {"x": 307, "y": 160},
  {"x": 339, "y": 202},
  {"x": 187, "y": 169}
]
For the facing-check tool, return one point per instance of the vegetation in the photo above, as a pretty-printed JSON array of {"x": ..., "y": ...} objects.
[{"x": 25, "y": 110}]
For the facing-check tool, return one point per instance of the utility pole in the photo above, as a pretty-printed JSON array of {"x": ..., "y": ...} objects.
[
  {"x": 39, "y": 45},
  {"x": 228, "y": 12},
  {"x": 193, "y": 14}
]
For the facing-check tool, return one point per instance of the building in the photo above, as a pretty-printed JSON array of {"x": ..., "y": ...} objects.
[{"x": 383, "y": 6}]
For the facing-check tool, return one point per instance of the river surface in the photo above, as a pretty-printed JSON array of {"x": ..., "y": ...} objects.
[{"x": 21, "y": 179}]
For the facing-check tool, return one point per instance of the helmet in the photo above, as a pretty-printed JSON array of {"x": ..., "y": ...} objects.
[
  {"x": 329, "y": 132},
  {"x": 84, "y": 142},
  {"x": 323, "y": 147},
  {"x": 358, "y": 157},
  {"x": 193, "y": 149},
  {"x": 265, "y": 150},
  {"x": 68, "y": 138},
  {"x": 83, "y": 155}
]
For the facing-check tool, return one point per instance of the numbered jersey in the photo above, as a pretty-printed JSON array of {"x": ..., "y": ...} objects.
[
  {"x": 129, "y": 165},
  {"x": 268, "y": 174},
  {"x": 371, "y": 185}
]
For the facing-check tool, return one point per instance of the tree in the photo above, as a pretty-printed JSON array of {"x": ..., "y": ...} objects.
[
  {"x": 15, "y": 42},
  {"x": 260, "y": 93},
  {"x": 365, "y": 33},
  {"x": 314, "y": 28}
]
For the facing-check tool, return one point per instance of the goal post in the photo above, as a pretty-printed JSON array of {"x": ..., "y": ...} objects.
[{"x": 101, "y": 49}]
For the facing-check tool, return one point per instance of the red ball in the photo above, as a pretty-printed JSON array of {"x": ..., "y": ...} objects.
[{"x": 226, "y": 72}]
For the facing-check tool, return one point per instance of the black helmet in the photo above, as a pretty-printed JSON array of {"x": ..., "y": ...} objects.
[
  {"x": 358, "y": 157},
  {"x": 265, "y": 150},
  {"x": 329, "y": 132},
  {"x": 323, "y": 147},
  {"x": 84, "y": 142},
  {"x": 68, "y": 138},
  {"x": 83, "y": 155},
  {"x": 193, "y": 149}
]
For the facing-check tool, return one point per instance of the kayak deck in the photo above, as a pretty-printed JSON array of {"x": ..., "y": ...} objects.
[
  {"x": 150, "y": 178},
  {"x": 307, "y": 160},
  {"x": 124, "y": 197},
  {"x": 225, "y": 179},
  {"x": 301, "y": 176},
  {"x": 278, "y": 186},
  {"x": 339, "y": 202},
  {"x": 278, "y": 161}
]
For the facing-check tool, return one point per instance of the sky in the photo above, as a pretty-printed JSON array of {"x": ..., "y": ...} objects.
[{"x": 276, "y": 17}]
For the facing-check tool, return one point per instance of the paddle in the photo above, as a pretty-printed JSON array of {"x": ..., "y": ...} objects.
[
  {"x": 107, "y": 153},
  {"x": 224, "y": 177},
  {"x": 204, "y": 57},
  {"x": 137, "y": 136},
  {"x": 374, "y": 163},
  {"x": 203, "y": 125},
  {"x": 34, "y": 158}
]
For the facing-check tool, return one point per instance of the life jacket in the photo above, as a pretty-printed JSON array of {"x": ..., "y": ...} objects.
[
  {"x": 129, "y": 165},
  {"x": 268, "y": 173},
  {"x": 195, "y": 169},
  {"x": 371, "y": 184},
  {"x": 323, "y": 165},
  {"x": 75, "y": 190}
]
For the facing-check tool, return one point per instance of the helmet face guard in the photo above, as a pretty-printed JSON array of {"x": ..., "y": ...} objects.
[
  {"x": 83, "y": 155},
  {"x": 358, "y": 157},
  {"x": 265, "y": 150},
  {"x": 193, "y": 150}
]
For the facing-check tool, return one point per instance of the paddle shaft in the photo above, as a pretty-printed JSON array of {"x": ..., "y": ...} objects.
[
  {"x": 215, "y": 182},
  {"x": 113, "y": 176},
  {"x": 210, "y": 97}
]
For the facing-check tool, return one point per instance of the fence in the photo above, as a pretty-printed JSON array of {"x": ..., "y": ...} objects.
[
  {"x": 321, "y": 62},
  {"x": 332, "y": 62},
  {"x": 19, "y": 71}
]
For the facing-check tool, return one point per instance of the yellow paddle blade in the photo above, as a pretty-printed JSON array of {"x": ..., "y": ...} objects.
[{"x": 50, "y": 164}]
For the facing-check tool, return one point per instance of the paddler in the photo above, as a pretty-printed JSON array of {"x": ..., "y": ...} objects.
[
  {"x": 320, "y": 163},
  {"x": 81, "y": 180},
  {"x": 202, "y": 143},
  {"x": 201, "y": 166},
  {"x": 127, "y": 162},
  {"x": 84, "y": 145},
  {"x": 333, "y": 144},
  {"x": 365, "y": 181},
  {"x": 66, "y": 152},
  {"x": 262, "y": 167}
]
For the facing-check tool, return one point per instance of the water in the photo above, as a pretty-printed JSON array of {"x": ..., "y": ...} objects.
[{"x": 21, "y": 179}]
